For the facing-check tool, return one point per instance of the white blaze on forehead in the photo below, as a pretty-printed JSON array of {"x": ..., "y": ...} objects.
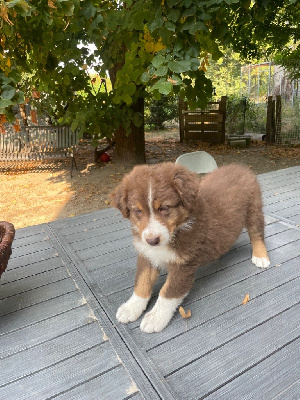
[
  {"x": 154, "y": 228},
  {"x": 150, "y": 199}
]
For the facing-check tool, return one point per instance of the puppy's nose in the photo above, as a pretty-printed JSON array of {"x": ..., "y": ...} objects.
[{"x": 153, "y": 241}]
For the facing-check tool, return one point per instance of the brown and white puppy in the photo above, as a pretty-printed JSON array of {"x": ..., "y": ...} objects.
[{"x": 180, "y": 222}]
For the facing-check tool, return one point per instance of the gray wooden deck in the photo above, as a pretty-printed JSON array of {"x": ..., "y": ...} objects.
[{"x": 59, "y": 337}]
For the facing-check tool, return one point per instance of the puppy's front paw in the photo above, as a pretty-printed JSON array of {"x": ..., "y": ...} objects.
[
  {"x": 160, "y": 315},
  {"x": 132, "y": 309},
  {"x": 154, "y": 321},
  {"x": 261, "y": 262}
]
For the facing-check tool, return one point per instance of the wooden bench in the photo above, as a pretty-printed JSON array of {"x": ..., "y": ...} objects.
[{"x": 39, "y": 143}]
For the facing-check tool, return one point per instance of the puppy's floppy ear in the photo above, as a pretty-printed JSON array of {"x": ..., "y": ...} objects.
[
  {"x": 119, "y": 198},
  {"x": 186, "y": 184}
]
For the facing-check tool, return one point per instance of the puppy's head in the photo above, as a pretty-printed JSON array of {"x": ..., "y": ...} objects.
[{"x": 159, "y": 200}]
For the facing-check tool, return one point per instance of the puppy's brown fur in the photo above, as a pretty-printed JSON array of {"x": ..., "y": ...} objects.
[{"x": 203, "y": 219}]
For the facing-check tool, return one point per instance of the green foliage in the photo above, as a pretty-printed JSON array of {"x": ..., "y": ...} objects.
[
  {"x": 244, "y": 115},
  {"x": 225, "y": 74},
  {"x": 289, "y": 58},
  {"x": 157, "y": 112},
  {"x": 158, "y": 45}
]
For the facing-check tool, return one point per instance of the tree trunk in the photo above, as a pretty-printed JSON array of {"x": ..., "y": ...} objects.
[{"x": 130, "y": 146}]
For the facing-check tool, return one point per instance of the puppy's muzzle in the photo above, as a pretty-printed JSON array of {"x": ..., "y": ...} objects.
[{"x": 153, "y": 241}]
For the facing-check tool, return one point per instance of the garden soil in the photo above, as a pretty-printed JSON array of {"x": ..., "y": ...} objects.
[{"x": 33, "y": 192}]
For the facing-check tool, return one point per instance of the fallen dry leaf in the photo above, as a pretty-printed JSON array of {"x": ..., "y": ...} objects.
[
  {"x": 184, "y": 314},
  {"x": 246, "y": 299}
]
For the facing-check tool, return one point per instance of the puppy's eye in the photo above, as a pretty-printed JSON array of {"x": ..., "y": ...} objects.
[
  {"x": 138, "y": 212},
  {"x": 163, "y": 210}
]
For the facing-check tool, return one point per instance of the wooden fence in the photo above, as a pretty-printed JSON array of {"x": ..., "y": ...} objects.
[{"x": 206, "y": 125}]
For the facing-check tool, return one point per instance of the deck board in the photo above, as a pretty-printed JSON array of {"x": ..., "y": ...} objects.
[
  {"x": 66, "y": 279},
  {"x": 50, "y": 339},
  {"x": 233, "y": 358}
]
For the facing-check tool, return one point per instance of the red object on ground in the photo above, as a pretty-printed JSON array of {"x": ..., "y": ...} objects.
[{"x": 105, "y": 157}]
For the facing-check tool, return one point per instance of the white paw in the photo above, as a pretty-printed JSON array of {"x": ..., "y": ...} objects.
[
  {"x": 160, "y": 315},
  {"x": 132, "y": 309},
  {"x": 261, "y": 262}
]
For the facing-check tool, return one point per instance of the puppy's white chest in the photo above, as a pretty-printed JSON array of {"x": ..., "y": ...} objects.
[{"x": 159, "y": 256}]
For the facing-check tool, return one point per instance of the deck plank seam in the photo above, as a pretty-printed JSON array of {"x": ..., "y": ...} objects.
[
  {"x": 118, "y": 336},
  {"x": 51, "y": 365},
  {"x": 33, "y": 305},
  {"x": 36, "y": 287},
  {"x": 38, "y": 322},
  {"x": 50, "y": 340},
  {"x": 27, "y": 235},
  {"x": 86, "y": 381},
  {"x": 269, "y": 192},
  {"x": 289, "y": 184},
  {"x": 129, "y": 248},
  {"x": 110, "y": 220},
  {"x": 19, "y": 246},
  {"x": 14, "y": 257},
  {"x": 286, "y": 389},
  {"x": 286, "y": 207},
  {"x": 249, "y": 368},
  {"x": 102, "y": 244},
  {"x": 54, "y": 256},
  {"x": 232, "y": 339},
  {"x": 218, "y": 315},
  {"x": 94, "y": 236},
  {"x": 29, "y": 276},
  {"x": 286, "y": 221}
]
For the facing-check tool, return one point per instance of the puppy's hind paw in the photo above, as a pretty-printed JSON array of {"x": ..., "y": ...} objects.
[{"x": 261, "y": 262}]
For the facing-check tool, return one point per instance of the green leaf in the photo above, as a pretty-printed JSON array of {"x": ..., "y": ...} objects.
[
  {"x": 47, "y": 18},
  {"x": 67, "y": 80},
  {"x": 145, "y": 77},
  {"x": 127, "y": 99},
  {"x": 161, "y": 71},
  {"x": 67, "y": 7},
  {"x": 122, "y": 79},
  {"x": 7, "y": 91},
  {"x": 5, "y": 103},
  {"x": 74, "y": 125},
  {"x": 163, "y": 86},
  {"x": 4, "y": 79},
  {"x": 189, "y": 12},
  {"x": 138, "y": 19},
  {"x": 170, "y": 26},
  {"x": 205, "y": 17},
  {"x": 89, "y": 11},
  {"x": 158, "y": 60},
  {"x": 172, "y": 3},
  {"x": 173, "y": 15},
  {"x": 130, "y": 88},
  {"x": 137, "y": 119},
  {"x": 156, "y": 23},
  {"x": 19, "y": 97},
  {"x": 20, "y": 7},
  {"x": 187, "y": 3},
  {"x": 180, "y": 66}
]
